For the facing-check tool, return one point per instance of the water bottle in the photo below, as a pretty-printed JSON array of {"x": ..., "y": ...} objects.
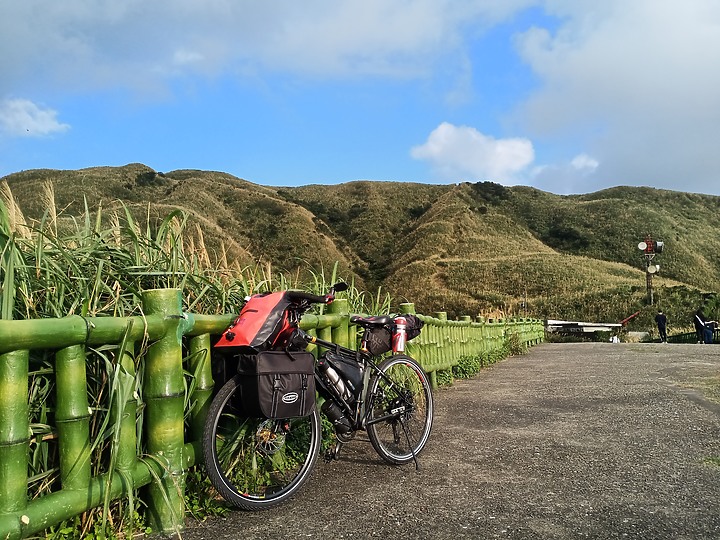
[
  {"x": 342, "y": 389},
  {"x": 399, "y": 334},
  {"x": 337, "y": 417}
]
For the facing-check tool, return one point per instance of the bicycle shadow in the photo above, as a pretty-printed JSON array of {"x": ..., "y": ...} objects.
[{"x": 359, "y": 451}]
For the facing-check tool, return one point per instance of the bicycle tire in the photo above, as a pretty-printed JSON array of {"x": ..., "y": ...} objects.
[
  {"x": 256, "y": 463},
  {"x": 400, "y": 410}
]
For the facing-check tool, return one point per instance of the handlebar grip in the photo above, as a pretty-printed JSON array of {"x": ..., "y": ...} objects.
[{"x": 312, "y": 298}]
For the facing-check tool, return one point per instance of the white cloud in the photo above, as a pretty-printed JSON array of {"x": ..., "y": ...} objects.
[
  {"x": 184, "y": 57},
  {"x": 23, "y": 118},
  {"x": 578, "y": 175},
  {"x": 99, "y": 44},
  {"x": 463, "y": 153},
  {"x": 635, "y": 82},
  {"x": 583, "y": 162}
]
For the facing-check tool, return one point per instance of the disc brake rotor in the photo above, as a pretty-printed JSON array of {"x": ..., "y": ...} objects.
[{"x": 270, "y": 436}]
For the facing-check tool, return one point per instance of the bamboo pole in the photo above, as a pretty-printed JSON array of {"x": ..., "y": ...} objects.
[
  {"x": 127, "y": 437},
  {"x": 103, "y": 330},
  {"x": 198, "y": 324},
  {"x": 340, "y": 333},
  {"x": 14, "y": 431},
  {"x": 325, "y": 332},
  {"x": 465, "y": 339},
  {"x": 75, "y": 330},
  {"x": 52, "y": 509},
  {"x": 42, "y": 333},
  {"x": 72, "y": 417},
  {"x": 164, "y": 391},
  {"x": 199, "y": 364}
]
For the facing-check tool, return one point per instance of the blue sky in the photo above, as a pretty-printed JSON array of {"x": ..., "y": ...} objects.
[{"x": 568, "y": 96}]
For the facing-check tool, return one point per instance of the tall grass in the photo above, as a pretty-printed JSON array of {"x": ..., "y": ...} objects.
[{"x": 99, "y": 264}]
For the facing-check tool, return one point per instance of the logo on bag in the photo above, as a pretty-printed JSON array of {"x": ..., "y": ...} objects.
[{"x": 290, "y": 397}]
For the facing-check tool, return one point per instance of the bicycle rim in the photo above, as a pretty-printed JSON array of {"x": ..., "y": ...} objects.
[
  {"x": 401, "y": 410},
  {"x": 256, "y": 463}
]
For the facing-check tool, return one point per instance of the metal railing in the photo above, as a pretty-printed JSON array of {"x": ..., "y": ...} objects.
[{"x": 691, "y": 337}]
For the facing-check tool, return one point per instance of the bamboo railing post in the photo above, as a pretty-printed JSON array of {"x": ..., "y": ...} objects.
[
  {"x": 127, "y": 439},
  {"x": 164, "y": 391},
  {"x": 458, "y": 340},
  {"x": 443, "y": 344},
  {"x": 14, "y": 431},
  {"x": 200, "y": 365},
  {"x": 73, "y": 417},
  {"x": 340, "y": 334},
  {"x": 466, "y": 344},
  {"x": 324, "y": 331}
]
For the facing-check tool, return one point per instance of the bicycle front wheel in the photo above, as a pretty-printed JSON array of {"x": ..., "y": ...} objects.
[
  {"x": 256, "y": 463},
  {"x": 401, "y": 410}
]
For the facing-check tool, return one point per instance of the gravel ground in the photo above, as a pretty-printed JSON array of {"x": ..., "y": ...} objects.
[{"x": 568, "y": 441}]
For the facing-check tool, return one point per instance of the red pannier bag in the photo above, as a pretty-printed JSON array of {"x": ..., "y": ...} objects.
[{"x": 262, "y": 324}]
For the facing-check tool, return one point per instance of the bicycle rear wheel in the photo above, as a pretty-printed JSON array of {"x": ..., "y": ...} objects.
[
  {"x": 401, "y": 410},
  {"x": 257, "y": 463}
]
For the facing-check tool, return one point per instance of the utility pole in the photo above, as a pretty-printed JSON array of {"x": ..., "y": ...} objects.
[{"x": 650, "y": 248}]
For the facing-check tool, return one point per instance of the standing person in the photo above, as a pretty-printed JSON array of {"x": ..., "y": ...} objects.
[
  {"x": 710, "y": 327},
  {"x": 699, "y": 321},
  {"x": 661, "y": 321}
]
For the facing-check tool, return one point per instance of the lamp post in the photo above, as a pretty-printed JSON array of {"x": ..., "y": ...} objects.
[{"x": 650, "y": 248}]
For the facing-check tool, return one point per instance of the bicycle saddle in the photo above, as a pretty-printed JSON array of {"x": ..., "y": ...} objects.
[{"x": 370, "y": 322}]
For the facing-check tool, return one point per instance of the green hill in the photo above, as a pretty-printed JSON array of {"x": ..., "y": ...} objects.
[{"x": 466, "y": 249}]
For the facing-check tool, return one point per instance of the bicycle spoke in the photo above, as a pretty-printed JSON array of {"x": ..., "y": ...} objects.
[
  {"x": 255, "y": 462},
  {"x": 400, "y": 410}
]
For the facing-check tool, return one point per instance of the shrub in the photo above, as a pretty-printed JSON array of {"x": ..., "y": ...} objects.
[
  {"x": 467, "y": 367},
  {"x": 444, "y": 377}
]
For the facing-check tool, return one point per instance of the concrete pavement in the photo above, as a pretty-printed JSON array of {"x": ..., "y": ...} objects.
[{"x": 568, "y": 441}]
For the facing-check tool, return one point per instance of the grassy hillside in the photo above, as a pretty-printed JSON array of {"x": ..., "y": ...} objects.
[
  {"x": 467, "y": 249},
  {"x": 248, "y": 222},
  {"x": 609, "y": 224},
  {"x": 372, "y": 218}
]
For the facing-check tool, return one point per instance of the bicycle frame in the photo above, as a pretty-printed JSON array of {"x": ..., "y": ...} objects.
[
  {"x": 387, "y": 397},
  {"x": 360, "y": 412}
]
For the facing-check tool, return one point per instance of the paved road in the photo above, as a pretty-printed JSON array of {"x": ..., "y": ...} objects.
[{"x": 568, "y": 441}]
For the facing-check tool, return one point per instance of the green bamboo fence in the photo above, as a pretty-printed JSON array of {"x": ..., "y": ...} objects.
[{"x": 176, "y": 342}]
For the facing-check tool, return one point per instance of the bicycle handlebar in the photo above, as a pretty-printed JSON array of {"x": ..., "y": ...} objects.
[
  {"x": 312, "y": 298},
  {"x": 300, "y": 296}
]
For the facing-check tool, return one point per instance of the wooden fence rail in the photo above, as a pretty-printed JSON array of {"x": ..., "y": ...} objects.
[{"x": 159, "y": 349}]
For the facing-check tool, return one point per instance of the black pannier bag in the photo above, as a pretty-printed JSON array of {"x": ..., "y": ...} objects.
[
  {"x": 379, "y": 340},
  {"x": 277, "y": 384},
  {"x": 262, "y": 324}
]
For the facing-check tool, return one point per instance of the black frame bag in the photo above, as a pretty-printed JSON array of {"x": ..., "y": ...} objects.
[
  {"x": 378, "y": 341},
  {"x": 277, "y": 384}
]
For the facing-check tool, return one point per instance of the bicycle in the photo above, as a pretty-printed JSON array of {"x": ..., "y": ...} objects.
[{"x": 256, "y": 462}]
